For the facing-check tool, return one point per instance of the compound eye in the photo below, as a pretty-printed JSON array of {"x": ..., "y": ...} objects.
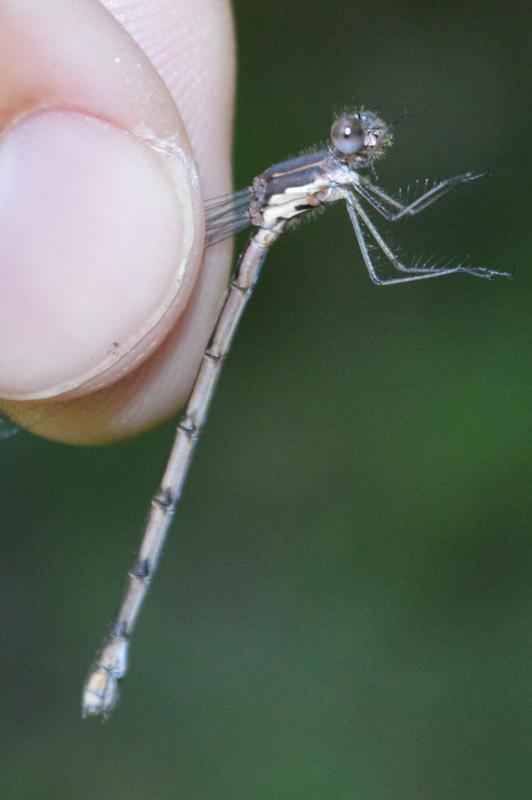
[{"x": 347, "y": 135}]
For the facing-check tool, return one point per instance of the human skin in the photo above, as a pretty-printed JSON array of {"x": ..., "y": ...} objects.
[{"x": 115, "y": 125}]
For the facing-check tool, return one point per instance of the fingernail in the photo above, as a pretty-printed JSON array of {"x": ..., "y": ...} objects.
[{"x": 98, "y": 252}]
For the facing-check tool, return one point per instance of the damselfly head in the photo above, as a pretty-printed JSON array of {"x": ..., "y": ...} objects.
[{"x": 357, "y": 139}]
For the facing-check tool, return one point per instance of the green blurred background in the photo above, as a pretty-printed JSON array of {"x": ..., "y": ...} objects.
[{"x": 343, "y": 609}]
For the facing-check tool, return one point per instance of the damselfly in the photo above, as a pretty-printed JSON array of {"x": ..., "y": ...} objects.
[{"x": 275, "y": 201}]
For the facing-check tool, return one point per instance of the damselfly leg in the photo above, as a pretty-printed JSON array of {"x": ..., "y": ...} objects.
[
  {"x": 393, "y": 210},
  {"x": 361, "y": 220}
]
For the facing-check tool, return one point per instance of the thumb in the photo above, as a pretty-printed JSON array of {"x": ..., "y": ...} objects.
[{"x": 101, "y": 226}]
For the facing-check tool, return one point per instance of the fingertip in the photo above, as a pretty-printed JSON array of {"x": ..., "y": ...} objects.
[{"x": 100, "y": 240}]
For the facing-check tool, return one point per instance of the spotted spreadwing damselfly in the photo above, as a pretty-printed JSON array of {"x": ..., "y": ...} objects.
[{"x": 276, "y": 200}]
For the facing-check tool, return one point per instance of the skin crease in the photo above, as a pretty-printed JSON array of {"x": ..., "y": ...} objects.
[{"x": 164, "y": 71}]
